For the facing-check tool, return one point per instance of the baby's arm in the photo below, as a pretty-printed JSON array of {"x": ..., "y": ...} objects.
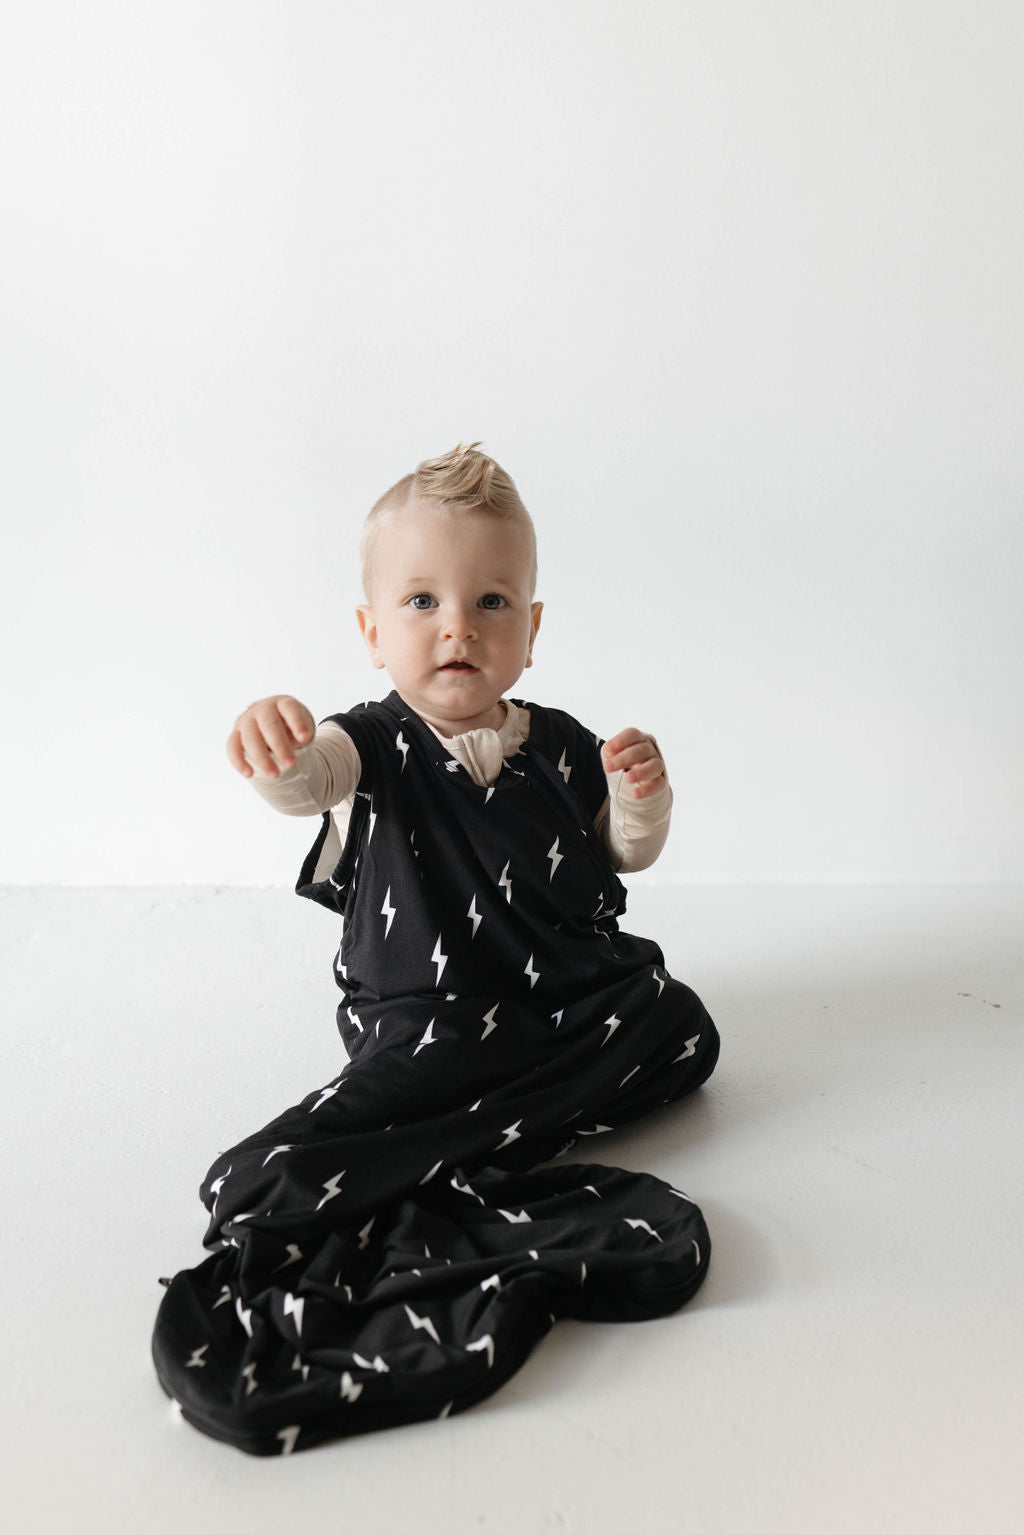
[
  {"x": 634, "y": 820},
  {"x": 295, "y": 770}
]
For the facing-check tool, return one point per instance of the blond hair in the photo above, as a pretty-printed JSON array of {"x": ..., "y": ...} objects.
[{"x": 461, "y": 480}]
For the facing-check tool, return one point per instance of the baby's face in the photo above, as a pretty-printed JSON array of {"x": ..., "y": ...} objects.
[{"x": 450, "y": 616}]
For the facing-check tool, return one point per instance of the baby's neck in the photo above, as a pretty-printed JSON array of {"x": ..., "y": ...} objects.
[{"x": 449, "y": 729}]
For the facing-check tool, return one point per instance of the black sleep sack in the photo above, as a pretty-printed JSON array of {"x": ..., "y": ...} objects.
[{"x": 389, "y": 1250}]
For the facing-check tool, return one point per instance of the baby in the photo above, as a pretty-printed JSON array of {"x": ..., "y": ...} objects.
[{"x": 392, "y": 1247}]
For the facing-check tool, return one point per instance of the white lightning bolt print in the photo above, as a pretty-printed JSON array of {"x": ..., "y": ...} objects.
[
  {"x": 691, "y": 1049},
  {"x": 276, "y": 1152},
  {"x": 486, "y": 1343},
  {"x": 555, "y": 857},
  {"x": 438, "y": 959},
  {"x": 563, "y": 766},
  {"x": 611, "y": 1024},
  {"x": 511, "y": 1134},
  {"x": 423, "y": 1322},
  {"x": 474, "y": 917},
  {"x": 294, "y": 1256},
  {"x": 464, "y": 1188},
  {"x": 295, "y": 1306},
  {"x": 325, "y": 1093},
  {"x": 216, "y": 1186},
  {"x": 504, "y": 883},
  {"x": 376, "y": 1363},
  {"x": 350, "y": 1391},
  {"x": 331, "y": 1188},
  {"x": 428, "y": 1038},
  {"x": 388, "y": 911},
  {"x": 288, "y": 1437},
  {"x": 489, "y": 1020},
  {"x": 402, "y": 745},
  {"x": 533, "y": 974},
  {"x": 643, "y": 1226},
  {"x": 195, "y": 1360}
]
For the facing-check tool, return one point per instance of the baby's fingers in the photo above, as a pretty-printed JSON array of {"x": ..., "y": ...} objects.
[
  {"x": 272, "y": 729},
  {"x": 297, "y": 717},
  {"x": 646, "y": 777},
  {"x": 613, "y": 748},
  {"x": 636, "y": 755},
  {"x": 236, "y": 754},
  {"x": 627, "y": 749}
]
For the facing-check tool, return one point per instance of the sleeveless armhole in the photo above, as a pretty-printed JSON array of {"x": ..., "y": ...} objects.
[{"x": 321, "y": 879}]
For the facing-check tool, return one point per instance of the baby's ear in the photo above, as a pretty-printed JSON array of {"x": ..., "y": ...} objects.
[
  {"x": 536, "y": 609},
  {"x": 368, "y": 629}
]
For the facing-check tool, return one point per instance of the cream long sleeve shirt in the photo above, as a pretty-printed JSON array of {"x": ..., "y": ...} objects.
[{"x": 326, "y": 773}]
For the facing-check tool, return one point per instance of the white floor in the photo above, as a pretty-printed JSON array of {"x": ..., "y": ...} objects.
[{"x": 852, "y": 1363}]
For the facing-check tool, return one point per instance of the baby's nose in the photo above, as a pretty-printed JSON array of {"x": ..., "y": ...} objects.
[{"x": 461, "y": 624}]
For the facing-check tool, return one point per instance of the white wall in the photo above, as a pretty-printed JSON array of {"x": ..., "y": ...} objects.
[{"x": 733, "y": 290}]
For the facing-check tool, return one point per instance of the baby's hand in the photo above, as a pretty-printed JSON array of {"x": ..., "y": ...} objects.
[
  {"x": 636, "y": 755},
  {"x": 278, "y": 725}
]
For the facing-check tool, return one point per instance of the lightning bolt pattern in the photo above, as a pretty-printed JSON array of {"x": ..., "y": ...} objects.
[
  {"x": 332, "y": 1188},
  {"x": 368, "y": 1247}
]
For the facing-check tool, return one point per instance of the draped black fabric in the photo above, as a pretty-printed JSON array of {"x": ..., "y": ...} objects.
[{"x": 389, "y": 1250}]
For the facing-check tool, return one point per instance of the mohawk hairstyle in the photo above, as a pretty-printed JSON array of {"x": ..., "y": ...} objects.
[{"x": 460, "y": 480}]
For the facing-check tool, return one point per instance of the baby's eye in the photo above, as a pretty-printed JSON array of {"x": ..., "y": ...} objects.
[
  {"x": 422, "y": 601},
  {"x": 493, "y": 600}
]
